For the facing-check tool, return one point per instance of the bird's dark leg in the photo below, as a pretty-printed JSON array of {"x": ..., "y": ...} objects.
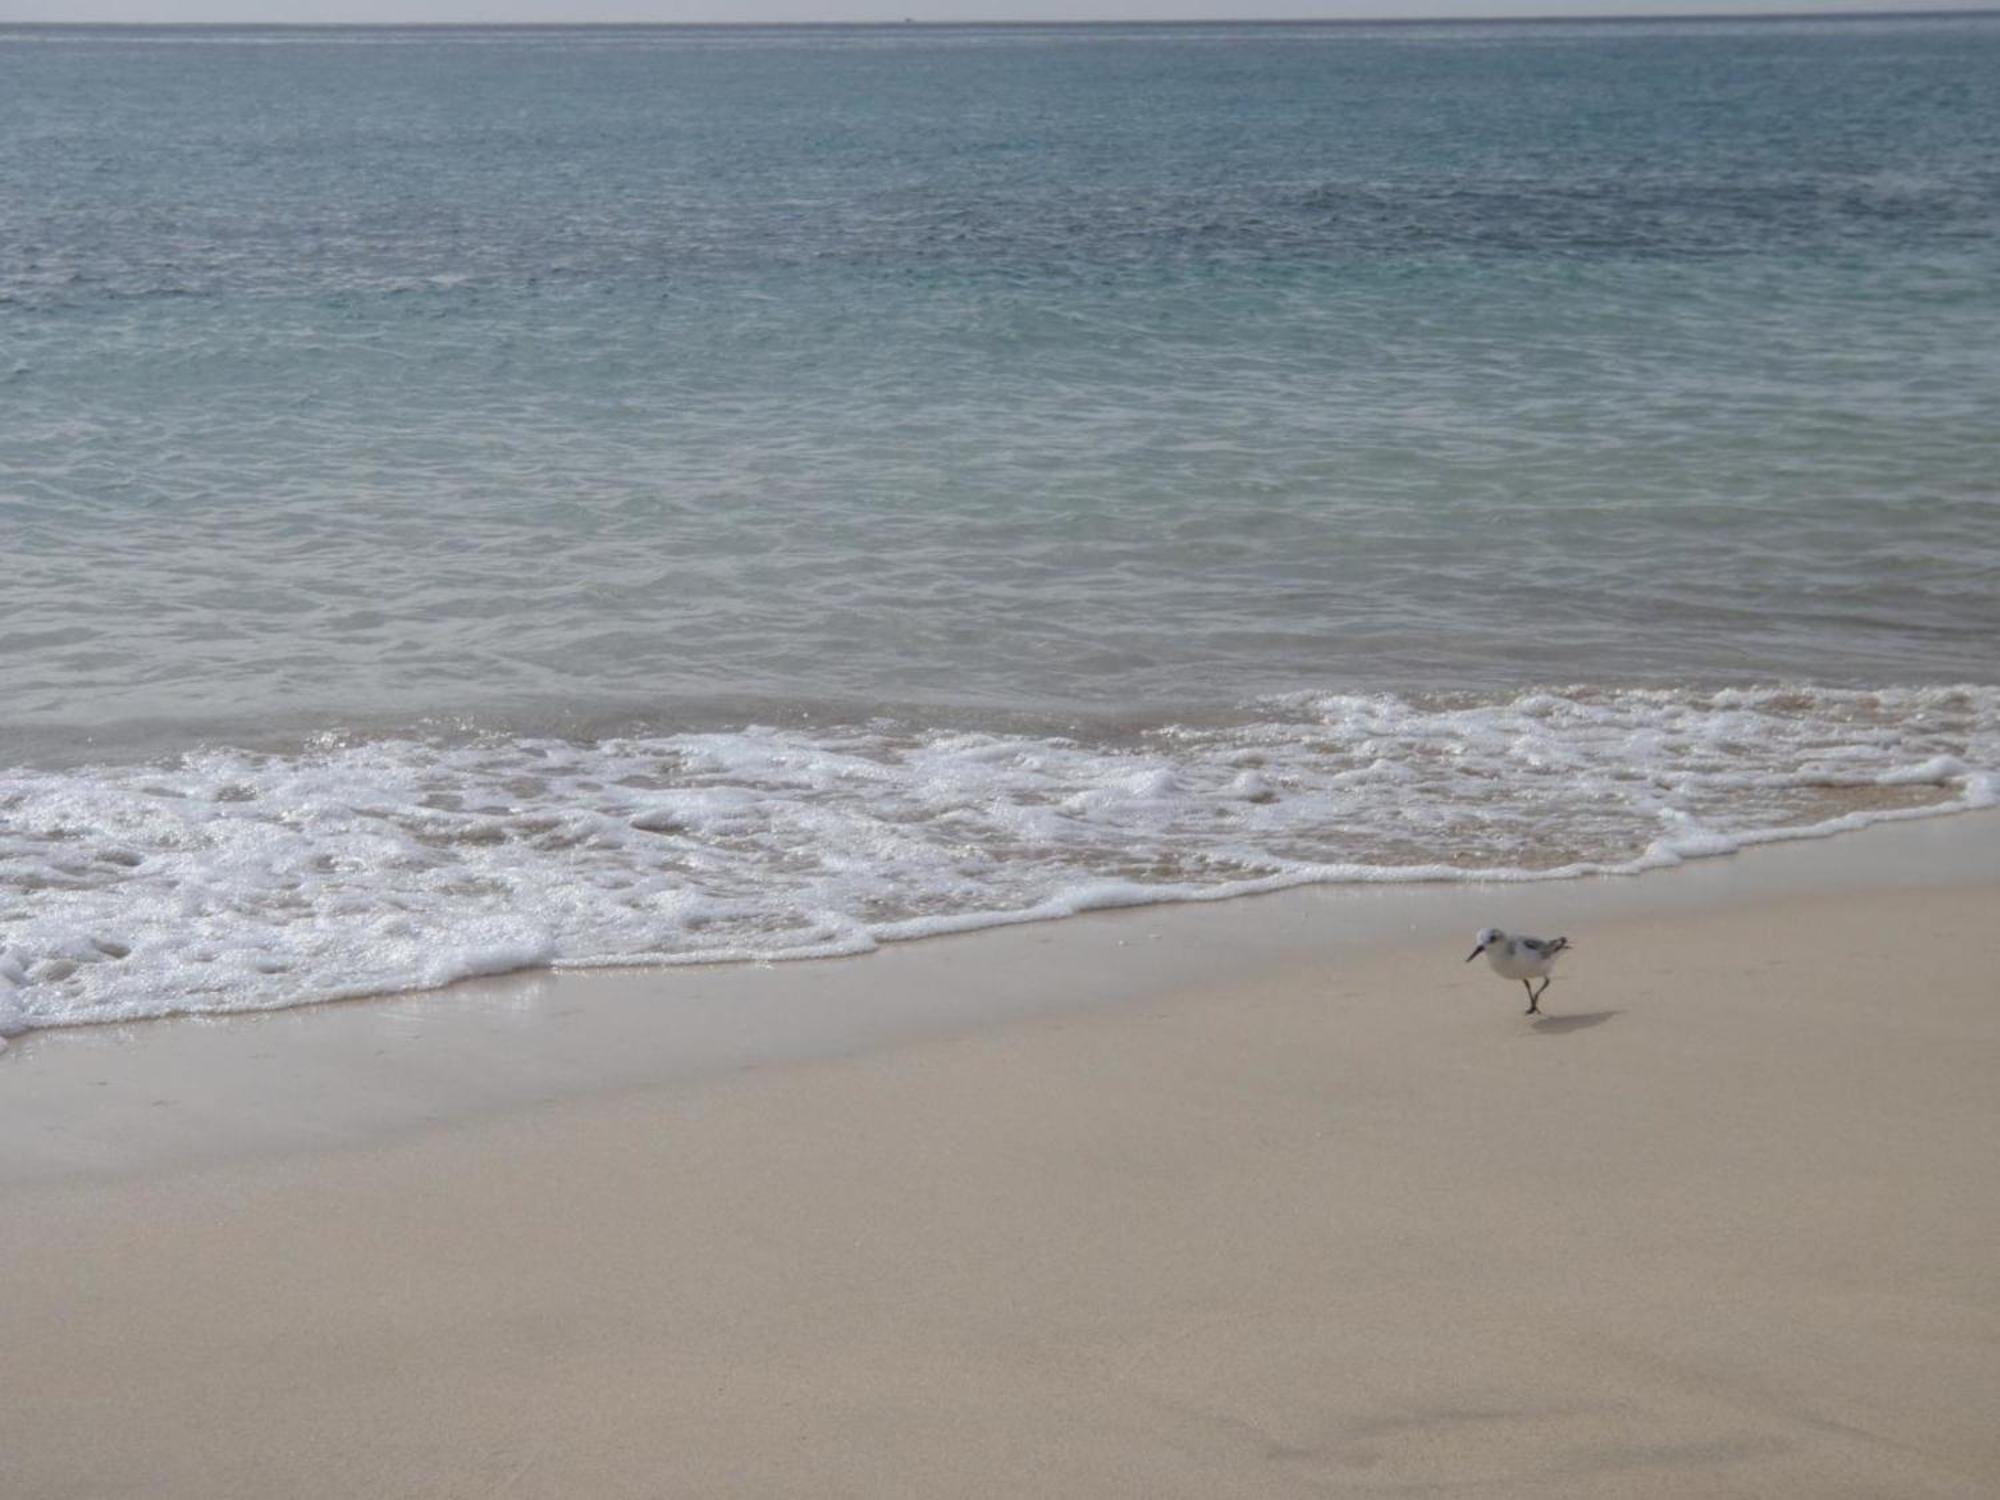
[
  {"x": 1531, "y": 998},
  {"x": 1535, "y": 998}
]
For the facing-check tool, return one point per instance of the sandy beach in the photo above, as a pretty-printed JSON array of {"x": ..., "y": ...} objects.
[{"x": 1186, "y": 1220}]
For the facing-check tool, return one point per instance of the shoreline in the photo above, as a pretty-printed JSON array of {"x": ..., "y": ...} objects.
[
  {"x": 88, "y": 1101},
  {"x": 229, "y": 881}
]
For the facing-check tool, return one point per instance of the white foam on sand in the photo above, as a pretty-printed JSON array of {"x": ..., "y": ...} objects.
[{"x": 226, "y": 880}]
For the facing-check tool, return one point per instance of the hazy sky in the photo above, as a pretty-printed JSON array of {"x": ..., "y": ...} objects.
[{"x": 897, "y": 10}]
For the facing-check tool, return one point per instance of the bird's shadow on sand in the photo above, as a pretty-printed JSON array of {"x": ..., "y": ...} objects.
[{"x": 1563, "y": 1025}]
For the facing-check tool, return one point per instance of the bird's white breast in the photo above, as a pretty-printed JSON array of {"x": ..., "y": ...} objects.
[{"x": 1511, "y": 961}]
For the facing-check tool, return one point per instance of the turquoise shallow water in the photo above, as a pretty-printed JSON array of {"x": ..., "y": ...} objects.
[
  {"x": 1193, "y": 417},
  {"x": 374, "y": 374}
]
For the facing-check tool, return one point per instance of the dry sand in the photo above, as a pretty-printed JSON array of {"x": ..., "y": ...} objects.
[{"x": 1343, "y": 1221}]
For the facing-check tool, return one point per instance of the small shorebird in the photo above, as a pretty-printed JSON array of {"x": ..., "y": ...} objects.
[{"x": 1522, "y": 958}]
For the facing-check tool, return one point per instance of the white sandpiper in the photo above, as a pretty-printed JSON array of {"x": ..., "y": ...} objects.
[{"x": 1522, "y": 958}]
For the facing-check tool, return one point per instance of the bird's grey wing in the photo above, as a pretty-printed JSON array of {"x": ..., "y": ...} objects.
[{"x": 1545, "y": 947}]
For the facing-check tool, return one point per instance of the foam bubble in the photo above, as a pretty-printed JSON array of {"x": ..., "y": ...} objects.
[{"x": 225, "y": 880}]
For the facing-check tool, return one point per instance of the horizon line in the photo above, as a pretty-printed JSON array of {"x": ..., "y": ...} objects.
[{"x": 1990, "y": 11}]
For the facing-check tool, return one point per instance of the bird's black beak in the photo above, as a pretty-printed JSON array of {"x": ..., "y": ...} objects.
[{"x": 1475, "y": 953}]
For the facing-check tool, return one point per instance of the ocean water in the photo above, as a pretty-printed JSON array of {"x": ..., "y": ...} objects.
[{"x": 481, "y": 498}]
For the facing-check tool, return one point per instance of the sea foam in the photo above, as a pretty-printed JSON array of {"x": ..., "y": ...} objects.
[{"x": 225, "y": 880}]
